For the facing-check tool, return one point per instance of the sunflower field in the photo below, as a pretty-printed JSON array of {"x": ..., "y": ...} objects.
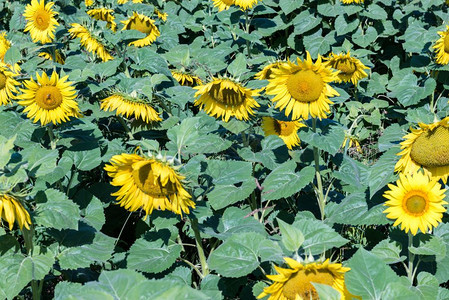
[{"x": 224, "y": 149}]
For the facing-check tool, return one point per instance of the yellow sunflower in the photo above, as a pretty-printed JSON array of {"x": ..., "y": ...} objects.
[
  {"x": 226, "y": 98},
  {"x": 351, "y": 69},
  {"x": 286, "y": 130},
  {"x": 143, "y": 24},
  {"x": 104, "y": 14},
  {"x": 148, "y": 183},
  {"x": 8, "y": 84},
  {"x": 90, "y": 43},
  {"x": 223, "y": 4},
  {"x": 426, "y": 148},
  {"x": 47, "y": 54},
  {"x": 302, "y": 89},
  {"x": 161, "y": 15},
  {"x": 12, "y": 210},
  {"x": 442, "y": 47},
  {"x": 353, "y": 141},
  {"x": 126, "y": 1},
  {"x": 186, "y": 79},
  {"x": 267, "y": 71},
  {"x": 89, "y": 2},
  {"x": 245, "y": 4},
  {"x": 415, "y": 202},
  {"x": 125, "y": 105},
  {"x": 352, "y": 1},
  {"x": 49, "y": 99},
  {"x": 4, "y": 45},
  {"x": 41, "y": 22},
  {"x": 295, "y": 283}
]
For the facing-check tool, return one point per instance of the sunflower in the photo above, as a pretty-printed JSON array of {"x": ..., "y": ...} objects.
[
  {"x": 442, "y": 47},
  {"x": 351, "y": 69},
  {"x": 12, "y": 210},
  {"x": 143, "y": 24},
  {"x": 223, "y": 4},
  {"x": 89, "y": 42},
  {"x": 302, "y": 89},
  {"x": 161, "y": 15},
  {"x": 352, "y": 1},
  {"x": 186, "y": 79},
  {"x": 126, "y": 1},
  {"x": 353, "y": 141},
  {"x": 245, "y": 4},
  {"x": 426, "y": 147},
  {"x": 47, "y": 54},
  {"x": 128, "y": 105},
  {"x": 41, "y": 22},
  {"x": 415, "y": 202},
  {"x": 49, "y": 99},
  {"x": 104, "y": 14},
  {"x": 4, "y": 45},
  {"x": 148, "y": 183},
  {"x": 8, "y": 84},
  {"x": 286, "y": 130},
  {"x": 226, "y": 98},
  {"x": 89, "y": 2},
  {"x": 296, "y": 282},
  {"x": 267, "y": 71}
]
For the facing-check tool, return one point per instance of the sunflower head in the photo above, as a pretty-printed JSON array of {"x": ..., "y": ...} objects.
[
  {"x": 88, "y": 41},
  {"x": 415, "y": 202},
  {"x": 11, "y": 210},
  {"x": 148, "y": 183},
  {"x": 143, "y": 24},
  {"x": 352, "y": 1},
  {"x": 351, "y": 69},
  {"x": 161, "y": 15},
  {"x": 302, "y": 89},
  {"x": 286, "y": 130},
  {"x": 224, "y": 98},
  {"x": 267, "y": 70},
  {"x": 41, "y": 22},
  {"x": 352, "y": 141},
  {"x": 104, "y": 14},
  {"x": 223, "y": 4},
  {"x": 51, "y": 54},
  {"x": 441, "y": 47},
  {"x": 245, "y": 4},
  {"x": 8, "y": 84},
  {"x": 4, "y": 45},
  {"x": 186, "y": 79}
]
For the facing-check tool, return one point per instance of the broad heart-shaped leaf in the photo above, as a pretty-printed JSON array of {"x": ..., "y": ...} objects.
[
  {"x": 404, "y": 86},
  {"x": 329, "y": 136},
  {"x": 85, "y": 160},
  {"x": 369, "y": 275},
  {"x": 427, "y": 287},
  {"x": 238, "y": 66},
  {"x": 152, "y": 256},
  {"x": 389, "y": 252},
  {"x": 430, "y": 245},
  {"x": 6, "y": 147},
  {"x": 442, "y": 273},
  {"x": 40, "y": 161},
  {"x": 292, "y": 237},
  {"x": 283, "y": 181},
  {"x": 391, "y": 136},
  {"x": 72, "y": 290},
  {"x": 289, "y": 6},
  {"x": 354, "y": 174},
  {"x": 229, "y": 171},
  {"x": 57, "y": 212},
  {"x": 382, "y": 172},
  {"x": 223, "y": 195},
  {"x": 148, "y": 60},
  {"x": 274, "y": 152},
  {"x": 399, "y": 291}
]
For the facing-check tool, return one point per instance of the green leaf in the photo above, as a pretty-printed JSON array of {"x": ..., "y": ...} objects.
[
  {"x": 382, "y": 172},
  {"x": 326, "y": 292},
  {"x": 57, "y": 212},
  {"x": 223, "y": 195},
  {"x": 238, "y": 66},
  {"x": 289, "y": 6},
  {"x": 328, "y": 138},
  {"x": 13, "y": 55},
  {"x": 40, "y": 161},
  {"x": 399, "y": 291},
  {"x": 430, "y": 245},
  {"x": 148, "y": 60},
  {"x": 292, "y": 237},
  {"x": 427, "y": 287},
  {"x": 229, "y": 171},
  {"x": 318, "y": 44},
  {"x": 85, "y": 160},
  {"x": 70, "y": 290},
  {"x": 283, "y": 181},
  {"x": 391, "y": 137},
  {"x": 389, "y": 252},
  {"x": 6, "y": 149}
]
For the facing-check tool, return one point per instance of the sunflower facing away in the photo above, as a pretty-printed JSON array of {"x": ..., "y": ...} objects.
[
  {"x": 296, "y": 282},
  {"x": 416, "y": 201},
  {"x": 4, "y": 45},
  {"x": 53, "y": 53},
  {"x": 352, "y": 142},
  {"x": 104, "y": 14},
  {"x": 302, "y": 89},
  {"x": 245, "y": 4},
  {"x": 223, "y": 4},
  {"x": 286, "y": 130},
  {"x": 442, "y": 47},
  {"x": 426, "y": 147},
  {"x": 267, "y": 71},
  {"x": 351, "y": 69},
  {"x": 224, "y": 98},
  {"x": 143, "y": 24},
  {"x": 8, "y": 84},
  {"x": 186, "y": 79},
  {"x": 89, "y": 42},
  {"x": 352, "y": 1},
  {"x": 49, "y": 99},
  {"x": 125, "y": 105},
  {"x": 41, "y": 22},
  {"x": 12, "y": 210},
  {"x": 148, "y": 183}
]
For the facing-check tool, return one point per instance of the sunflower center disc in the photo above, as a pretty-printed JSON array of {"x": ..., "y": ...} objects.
[
  {"x": 284, "y": 128},
  {"x": 300, "y": 284},
  {"x": 226, "y": 96},
  {"x": 446, "y": 43},
  {"x": 346, "y": 67},
  {"x": 305, "y": 86},
  {"x": 42, "y": 19},
  {"x": 144, "y": 178},
  {"x": 2, "y": 80},
  {"x": 431, "y": 148},
  {"x": 48, "y": 97},
  {"x": 142, "y": 26},
  {"x": 416, "y": 205}
]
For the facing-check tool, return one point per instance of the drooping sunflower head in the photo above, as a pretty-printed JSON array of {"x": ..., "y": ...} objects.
[
  {"x": 268, "y": 70},
  {"x": 4, "y": 45},
  {"x": 351, "y": 69},
  {"x": 186, "y": 79},
  {"x": 161, "y": 15},
  {"x": 415, "y": 202},
  {"x": 104, "y": 14},
  {"x": 295, "y": 282},
  {"x": 224, "y": 98},
  {"x": 442, "y": 47},
  {"x": 51, "y": 54},
  {"x": 143, "y": 24},
  {"x": 246, "y": 4},
  {"x": 223, "y": 4},
  {"x": 11, "y": 210},
  {"x": 352, "y": 1},
  {"x": 426, "y": 148},
  {"x": 127, "y": 105},
  {"x": 41, "y": 22},
  {"x": 302, "y": 89},
  {"x": 148, "y": 183},
  {"x": 8, "y": 84},
  {"x": 286, "y": 130},
  {"x": 89, "y": 42},
  {"x": 49, "y": 99},
  {"x": 352, "y": 141}
]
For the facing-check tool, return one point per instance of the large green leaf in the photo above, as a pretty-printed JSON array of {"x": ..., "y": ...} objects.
[
  {"x": 223, "y": 195},
  {"x": 58, "y": 211}
]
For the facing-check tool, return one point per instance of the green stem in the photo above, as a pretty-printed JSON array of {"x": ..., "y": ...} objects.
[
  {"x": 199, "y": 247},
  {"x": 51, "y": 136},
  {"x": 128, "y": 131},
  {"x": 411, "y": 258},
  {"x": 316, "y": 156},
  {"x": 28, "y": 239},
  {"x": 247, "y": 23}
]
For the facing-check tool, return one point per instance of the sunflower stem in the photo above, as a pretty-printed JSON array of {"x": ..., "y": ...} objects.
[
  {"x": 28, "y": 239},
  {"x": 51, "y": 136},
  {"x": 199, "y": 247},
  {"x": 319, "y": 188},
  {"x": 247, "y": 23},
  {"x": 411, "y": 258},
  {"x": 128, "y": 131}
]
